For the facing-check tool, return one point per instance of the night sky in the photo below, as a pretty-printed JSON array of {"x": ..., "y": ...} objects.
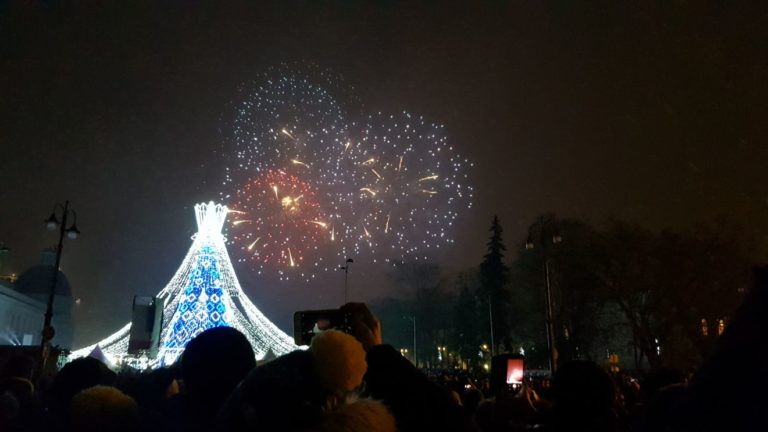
[{"x": 653, "y": 113}]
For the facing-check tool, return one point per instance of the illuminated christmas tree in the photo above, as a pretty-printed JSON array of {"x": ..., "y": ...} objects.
[
  {"x": 204, "y": 293},
  {"x": 201, "y": 306}
]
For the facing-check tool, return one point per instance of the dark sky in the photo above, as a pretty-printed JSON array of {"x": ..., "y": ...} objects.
[{"x": 652, "y": 112}]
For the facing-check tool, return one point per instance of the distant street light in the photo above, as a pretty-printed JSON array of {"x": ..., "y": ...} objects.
[
  {"x": 52, "y": 223},
  {"x": 345, "y": 267},
  {"x": 441, "y": 354},
  {"x": 529, "y": 245}
]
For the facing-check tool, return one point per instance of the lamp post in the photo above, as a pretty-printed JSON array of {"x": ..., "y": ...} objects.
[
  {"x": 490, "y": 319},
  {"x": 52, "y": 223},
  {"x": 413, "y": 320},
  {"x": 345, "y": 267},
  {"x": 3, "y": 252},
  {"x": 529, "y": 245}
]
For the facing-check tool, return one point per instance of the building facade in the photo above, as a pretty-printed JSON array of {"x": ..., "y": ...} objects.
[
  {"x": 23, "y": 303},
  {"x": 21, "y": 317}
]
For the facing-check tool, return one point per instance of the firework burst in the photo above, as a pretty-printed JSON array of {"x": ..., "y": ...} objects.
[
  {"x": 278, "y": 220},
  {"x": 309, "y": 184},
  {"x": 411, "y": 185}
]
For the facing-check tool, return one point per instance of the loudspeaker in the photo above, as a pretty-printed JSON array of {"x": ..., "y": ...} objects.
[{"x": 146, "y": 323}]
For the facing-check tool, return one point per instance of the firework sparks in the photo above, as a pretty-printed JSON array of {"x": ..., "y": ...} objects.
[
  {"x": 291, "y": 263},
  {"x": 369, "y": 191},
  {"x": 289, "y": 225},
  {"x": 305, "y": 177}
]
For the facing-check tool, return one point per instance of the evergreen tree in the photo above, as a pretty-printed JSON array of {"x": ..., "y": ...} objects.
[{"x": 494, "y": 284}]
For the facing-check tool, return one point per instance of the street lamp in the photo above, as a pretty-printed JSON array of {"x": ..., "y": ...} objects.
[
  {"x": 345, "y": 267},
  {"x": 529, "y": 245},
  {"x": 71, "y": 231}
]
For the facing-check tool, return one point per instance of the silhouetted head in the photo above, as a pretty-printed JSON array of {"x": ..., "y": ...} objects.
[
  {"x": 583, "y": 395},
  {"x": 283, "y": 394},
  {"x": 149, "y": 389},
  {"x": 77, "y": 376},
  {"x": 472, "y": 398},
  {"x": 18, "y": 366},
  {"x": 307, "y": 390},
  {"x": 214, "y": 363},
  {"x": 103, "y": 408},
  {"x": 663, "y": 410},
  {"x": 660, "y": 378}
]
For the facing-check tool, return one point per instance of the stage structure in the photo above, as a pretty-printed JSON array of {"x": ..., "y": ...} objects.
[{"x": 204, "y": 293}]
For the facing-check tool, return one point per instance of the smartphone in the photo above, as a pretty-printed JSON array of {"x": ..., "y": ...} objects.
[
  {"x": 507, "y": 372},
  {"x": 306, "y": 324},
  {"x": 515, "y": 371}
]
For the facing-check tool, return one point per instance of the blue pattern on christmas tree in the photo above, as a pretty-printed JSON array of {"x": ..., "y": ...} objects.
[{"x": 201, "y": 307}]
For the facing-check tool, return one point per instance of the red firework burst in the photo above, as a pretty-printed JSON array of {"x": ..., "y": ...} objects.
[{"x": 277, "y": 218}]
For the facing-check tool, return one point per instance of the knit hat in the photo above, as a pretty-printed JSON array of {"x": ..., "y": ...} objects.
[
  {"x": 339, "y": 361},
  {"x": 101, "y": 408}
]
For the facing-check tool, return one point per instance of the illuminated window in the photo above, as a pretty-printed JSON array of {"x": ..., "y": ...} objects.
[{"x": 704, "y": 327}]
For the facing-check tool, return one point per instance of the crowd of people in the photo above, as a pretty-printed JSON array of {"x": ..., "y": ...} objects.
[{"x": 354, "y": 382}]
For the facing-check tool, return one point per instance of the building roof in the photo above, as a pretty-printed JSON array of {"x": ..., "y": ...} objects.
[
  {"x": 7, "y": 293},
  {"x": 38, "y": 279}
]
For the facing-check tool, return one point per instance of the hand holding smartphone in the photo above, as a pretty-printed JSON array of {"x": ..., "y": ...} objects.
[
  {"x": 507, "y": 373},
  {"x": 306, "y": 324}
]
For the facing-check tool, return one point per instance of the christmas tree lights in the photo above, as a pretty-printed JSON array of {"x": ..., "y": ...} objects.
[{"x": 204, "y": 293}]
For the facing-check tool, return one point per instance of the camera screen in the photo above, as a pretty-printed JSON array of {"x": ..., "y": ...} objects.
[
  {"x": 309, "y": 323},
  {"x": 514, "y": 371}
]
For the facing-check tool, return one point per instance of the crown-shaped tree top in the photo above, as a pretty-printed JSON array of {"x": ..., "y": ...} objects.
[{"x": 210, "y": 217}]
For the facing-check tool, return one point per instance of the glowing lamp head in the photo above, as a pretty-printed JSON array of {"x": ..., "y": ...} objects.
[
  {"x": 557, "y": 238},
  {"x": 73, "y": 232},
  {"x": 52, "y": 223},
  {"x": 529, "y": 243}
]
